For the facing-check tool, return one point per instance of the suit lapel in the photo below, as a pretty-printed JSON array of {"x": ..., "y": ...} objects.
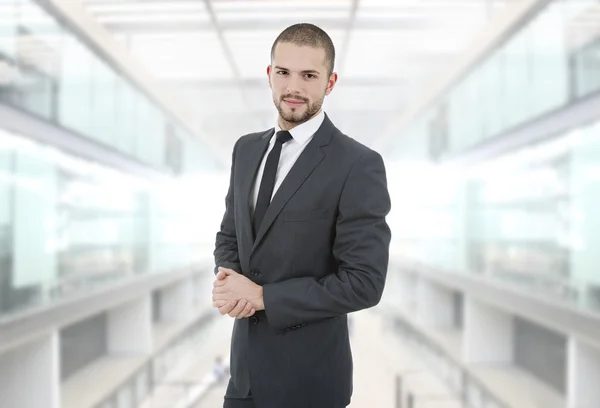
[
  {"x": 308, "y": 160},
  {"x": 256, "y": 151}
]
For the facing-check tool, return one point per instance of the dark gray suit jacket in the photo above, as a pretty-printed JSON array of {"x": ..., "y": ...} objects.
[{"x": 322, "y": 252}]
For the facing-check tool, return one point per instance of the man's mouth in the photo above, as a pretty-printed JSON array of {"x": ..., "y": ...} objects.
[{"x": 293, "y": 102}]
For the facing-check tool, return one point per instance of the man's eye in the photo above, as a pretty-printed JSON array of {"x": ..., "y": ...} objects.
[{"x": 281, "y": 72}]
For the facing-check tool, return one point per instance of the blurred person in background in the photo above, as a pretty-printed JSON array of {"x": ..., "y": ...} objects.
[
  {"x": 220, "y": 369},
  {"x": 303, "y": 242}
]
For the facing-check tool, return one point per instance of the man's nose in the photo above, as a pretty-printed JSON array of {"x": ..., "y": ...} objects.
[{"x": 293, "y": 85}]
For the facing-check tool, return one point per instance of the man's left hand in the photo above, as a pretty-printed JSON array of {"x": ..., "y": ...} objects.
[{"x": 236, "y": 286}]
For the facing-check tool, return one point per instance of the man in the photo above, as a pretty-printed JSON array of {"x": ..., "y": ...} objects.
[{"x": 303, "y": 241}]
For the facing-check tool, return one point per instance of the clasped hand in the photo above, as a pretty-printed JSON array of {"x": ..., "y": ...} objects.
[{"x": 236, "y": 295}]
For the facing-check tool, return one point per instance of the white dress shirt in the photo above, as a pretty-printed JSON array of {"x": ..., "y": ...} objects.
[{"x": 290, "y": 151}]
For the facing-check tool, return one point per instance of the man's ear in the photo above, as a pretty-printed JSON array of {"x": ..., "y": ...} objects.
[
  {"x": 331, "y": 83},
  {"x": 269, "y": 75}
]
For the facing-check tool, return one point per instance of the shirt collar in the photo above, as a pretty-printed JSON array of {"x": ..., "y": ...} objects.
[{"x": 304, "y": 131}]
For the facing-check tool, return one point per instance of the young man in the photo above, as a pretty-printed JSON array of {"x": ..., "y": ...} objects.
[{"x": 303, "y": 242}]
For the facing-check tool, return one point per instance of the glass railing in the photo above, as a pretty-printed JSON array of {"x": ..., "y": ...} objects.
[
  {"x": 68, "y": 225},
  {"x": 528, "y": 219}
]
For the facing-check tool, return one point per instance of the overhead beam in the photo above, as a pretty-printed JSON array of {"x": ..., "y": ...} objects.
[
  {"x": 345, "y": 46},
  {"x": 404, "y": 24},
  {"x": 228, "y": 53},
  {"x": 215, "y": 24}
]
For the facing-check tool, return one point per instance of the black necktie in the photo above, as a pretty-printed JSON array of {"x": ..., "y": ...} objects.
[{"x": 267, "y": 183}]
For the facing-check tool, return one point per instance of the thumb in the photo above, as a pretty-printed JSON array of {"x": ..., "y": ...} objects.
[{"x": 224, "y": 272}]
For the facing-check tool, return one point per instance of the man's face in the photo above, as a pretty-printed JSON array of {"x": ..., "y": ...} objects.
[{"x": 299, "y": 80}]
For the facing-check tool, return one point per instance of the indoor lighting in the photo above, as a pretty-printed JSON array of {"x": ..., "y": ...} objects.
[
  {"x": 144, "y": 7},
  {"x": 283, "y": 15},
  {"x": 167, "y": 17},
  {"x": 305, "y": 5}
]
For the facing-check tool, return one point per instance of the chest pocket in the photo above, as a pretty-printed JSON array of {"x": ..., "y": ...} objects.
[{"x": 306, "y": 215}]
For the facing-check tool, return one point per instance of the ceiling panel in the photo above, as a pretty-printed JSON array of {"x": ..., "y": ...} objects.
[
  {"x": 397, "y": 54},
  {"x": 387, "y": 50},
  {"x": 280, "y": 5},
  {"x": 182, "y": 55},
  {"x": 173, "y": 17},
  {"x": 143, "y": 7}
]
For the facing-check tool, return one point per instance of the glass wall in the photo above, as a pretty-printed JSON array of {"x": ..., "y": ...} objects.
[
  {"x": 69, "y": 225},
  {"x": 529, "y": 219},
  {"x": 550, "y": 62},
  {"x": 48, "y": 71}
]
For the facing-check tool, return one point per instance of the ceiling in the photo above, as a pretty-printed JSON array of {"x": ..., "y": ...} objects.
[{"x": 213, "y": 54}]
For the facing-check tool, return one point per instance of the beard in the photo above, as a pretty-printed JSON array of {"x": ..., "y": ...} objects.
[{"x": 295, "y": 115}]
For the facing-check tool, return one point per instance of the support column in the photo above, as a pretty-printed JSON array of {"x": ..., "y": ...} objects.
[
  {"x": 435, "y": 305},
  {"x": 583, "y": 375},
  {"x": 176, "y": 301},
  {"x": 488, "y": 334},
  {"x": 29, "y": 375},
  {"x": 130, "y": 327}
]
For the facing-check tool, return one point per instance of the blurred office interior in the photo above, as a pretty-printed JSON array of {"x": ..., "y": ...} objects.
[{"x": 117, "y": 123}]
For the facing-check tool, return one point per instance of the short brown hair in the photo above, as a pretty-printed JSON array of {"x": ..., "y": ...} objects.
[{"x": 305, "y": 34}]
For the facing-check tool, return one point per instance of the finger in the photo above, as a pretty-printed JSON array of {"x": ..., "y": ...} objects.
[
  {"x": 219, "y": 289},
  {"x": 218, "y": 283},
  {"x": 221, "y": 296},
  {"x": 221, "y": 275},
  {"x": 227, "y": 308},
  {"x": 219, "y": 303},
  {"x": 238, "y": 309},
  {"x": 247, "y": 312},
  {"x": 227, "y": 271}
]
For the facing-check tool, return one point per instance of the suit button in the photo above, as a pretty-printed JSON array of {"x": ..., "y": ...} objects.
[
  {"x": 253, "y": 319},
  {"x": 255, "y": 272}
]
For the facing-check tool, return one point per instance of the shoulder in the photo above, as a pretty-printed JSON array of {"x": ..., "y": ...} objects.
[
  {"x": 248, "y": 138},
  {"x": 351, "y": 150},
  {"x": 253, "y": 137}
]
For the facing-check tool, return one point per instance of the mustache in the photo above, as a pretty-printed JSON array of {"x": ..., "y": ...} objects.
[{"x": 292, "y": 97}]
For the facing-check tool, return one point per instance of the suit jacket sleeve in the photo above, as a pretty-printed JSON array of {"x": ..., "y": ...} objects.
[
  {"x": 226, "y": 247},
  {"x": 361, "y": 248}
]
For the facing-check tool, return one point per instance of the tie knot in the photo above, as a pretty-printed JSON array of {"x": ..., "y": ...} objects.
[{"x": 283, "y": 136}]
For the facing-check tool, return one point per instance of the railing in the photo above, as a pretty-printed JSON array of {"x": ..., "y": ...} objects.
[
  {"x": 139, "y": 385},
  {"x": 472, "y": 392}
]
